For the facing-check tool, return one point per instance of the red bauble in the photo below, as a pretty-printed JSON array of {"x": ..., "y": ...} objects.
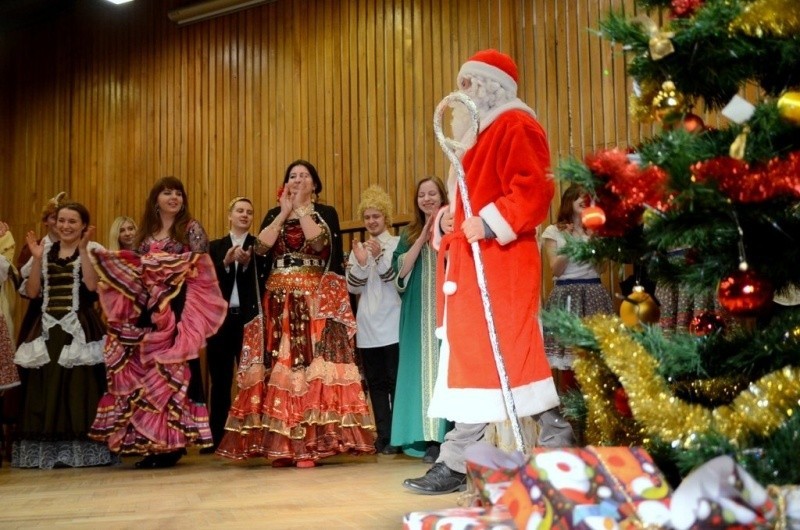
[
  {"x": 745, "y": 293},
  {"x": 706, "y": 323},
  {"x": 685, "y": 8},
  {"x": 593, "y": 217},
  {"x": 693, "y": 123},
  {"x": 621, "y": 402}
]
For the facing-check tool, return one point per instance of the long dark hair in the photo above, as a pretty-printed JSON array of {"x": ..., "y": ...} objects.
[
  {"x": 151, "y": 220},
  {"x": 415, "y": 227},
  {"x": 566, "y": 210}
]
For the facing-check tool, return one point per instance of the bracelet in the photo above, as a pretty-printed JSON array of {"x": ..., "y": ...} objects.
[
  {"x": 302, "y": 211},
  {"x": 261, "y": 248},
  {"x": 321, "y": 237}
]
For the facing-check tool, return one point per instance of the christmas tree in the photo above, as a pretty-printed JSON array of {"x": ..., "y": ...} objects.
[{"x": 728, "y": 199}]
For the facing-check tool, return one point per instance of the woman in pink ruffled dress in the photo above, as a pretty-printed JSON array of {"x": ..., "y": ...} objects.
[{"x": 161, "y": 303}]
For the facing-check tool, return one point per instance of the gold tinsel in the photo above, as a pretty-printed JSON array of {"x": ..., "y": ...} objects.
[
  {"x": 758, "y": 410},
  {"x": 778, "y": 18}
]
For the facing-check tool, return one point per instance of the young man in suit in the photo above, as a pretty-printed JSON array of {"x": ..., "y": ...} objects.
[{"x": 241, "y": 277}]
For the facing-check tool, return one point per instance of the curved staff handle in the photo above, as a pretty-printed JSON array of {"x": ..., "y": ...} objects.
[{"x": 451, "y": 149}]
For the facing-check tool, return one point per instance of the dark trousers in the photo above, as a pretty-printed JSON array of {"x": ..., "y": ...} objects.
[
  {"x": 380, "y": 369},
  {"x": 222, "y": 354}
]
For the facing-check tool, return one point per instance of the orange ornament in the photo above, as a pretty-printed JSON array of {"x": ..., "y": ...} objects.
[
  {"x": 593, "y": 217},
  {"x": 639, "y": 308}
]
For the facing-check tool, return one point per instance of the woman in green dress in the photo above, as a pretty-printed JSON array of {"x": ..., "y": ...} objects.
[{"x": 414, "y": 261}]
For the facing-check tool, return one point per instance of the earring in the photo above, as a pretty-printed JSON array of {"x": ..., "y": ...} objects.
[{"x": 157, "y": 209}]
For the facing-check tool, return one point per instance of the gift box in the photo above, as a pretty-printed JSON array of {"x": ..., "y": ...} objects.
[
  {"x": 476, "y": 518},
  {"x": 574, "y": 488}
]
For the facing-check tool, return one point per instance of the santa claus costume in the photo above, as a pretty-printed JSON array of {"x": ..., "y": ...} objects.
[
  {"x": 506, "y": 175},
  {"x": 507, "y": 178}
]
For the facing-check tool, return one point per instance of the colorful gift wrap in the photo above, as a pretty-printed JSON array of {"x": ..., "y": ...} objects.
[
  {"x": 578, "y": 488},
  {"x": 489, "y": 518}
]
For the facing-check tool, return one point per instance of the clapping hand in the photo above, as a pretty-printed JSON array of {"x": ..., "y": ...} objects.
[
  {"x": 243, "y": 256},
  {"x": 360, "y": 251},
  {"x": 286, "y": 201},
  {"x": 36, "y": 247},
  {"x": 87, "y": 236}
]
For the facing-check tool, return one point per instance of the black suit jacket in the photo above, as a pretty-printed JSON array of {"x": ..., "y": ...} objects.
[
  {"x": 251, "y": 289},
  {"x": 331, "y": 218}
]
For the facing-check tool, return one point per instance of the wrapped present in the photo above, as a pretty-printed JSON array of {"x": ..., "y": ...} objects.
[
  {"x": 476, "y": 518},
  {"x": 575, "y": 488},
  {"x": 721, "y": 494}
]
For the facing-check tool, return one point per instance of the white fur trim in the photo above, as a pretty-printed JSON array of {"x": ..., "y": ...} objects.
[
  {"x": 482, "y": 405},
  {"x": 482, "y": 69},
  {"x": 505, "y": 234},
  {"x": 514, "y": 104},
  {"x": 32, "y": 354}
]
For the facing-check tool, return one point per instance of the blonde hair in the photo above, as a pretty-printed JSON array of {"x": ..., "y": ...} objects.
[
  {"x": 238, "y": 199},
  {"x": 375, "y": 197},
  {"x": 116, "y": 226}
]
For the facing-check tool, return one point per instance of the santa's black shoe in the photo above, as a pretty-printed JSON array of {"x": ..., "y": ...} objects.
[{"x": 438, "y": 480}]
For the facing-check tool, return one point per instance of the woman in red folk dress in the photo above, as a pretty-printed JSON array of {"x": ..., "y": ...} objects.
[
  {"x": 161, "y": 303},
  {"x": 311, "y": 403}
]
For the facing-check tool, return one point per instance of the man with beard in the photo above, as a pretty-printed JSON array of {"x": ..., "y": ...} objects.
[{"x": 506, "y": 170}]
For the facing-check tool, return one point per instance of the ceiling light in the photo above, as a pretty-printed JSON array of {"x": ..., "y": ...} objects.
[{"x": 210, "y": 9}]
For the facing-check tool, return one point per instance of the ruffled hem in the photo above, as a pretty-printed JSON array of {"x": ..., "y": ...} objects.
[
  {"x": 13, "y": 384},
  {"x": 69, "y": 453},
  {"x": 147, "y": 409},
  {"x": 129, "y": 430},
  {"x": 319, "y": 441},
  {"x": 329, "y": 415},
  {"x": 32, "y": 354},
  {"x": 82, "y": 354}
]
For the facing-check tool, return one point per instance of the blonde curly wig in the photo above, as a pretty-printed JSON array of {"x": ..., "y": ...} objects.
[{"x": 375, "y": 197}]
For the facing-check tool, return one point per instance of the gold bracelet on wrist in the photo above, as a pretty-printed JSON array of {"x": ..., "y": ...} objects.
[
  {"x": 302, "y": 211},
  {"x": 261, "y": 248},
  {"x": 322, "y": 237}
]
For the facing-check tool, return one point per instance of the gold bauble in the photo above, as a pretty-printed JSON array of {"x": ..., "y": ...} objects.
[
  {"x": 668, "y": 104},
  {"x": 639, "y": 308},
  {"x": 789, "y": 107}
]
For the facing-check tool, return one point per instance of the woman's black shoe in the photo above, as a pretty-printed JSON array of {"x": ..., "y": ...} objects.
[
  {"x": 148, "y": 462},
  {"x": 169, "y": 459},
  {"x": 160, "y": 460}
]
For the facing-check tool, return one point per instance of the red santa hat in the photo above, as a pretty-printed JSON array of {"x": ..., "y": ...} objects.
[{"x": 494, "y": 65}]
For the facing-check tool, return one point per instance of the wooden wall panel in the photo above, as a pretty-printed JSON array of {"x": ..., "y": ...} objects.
[{"x": 106, "y": 99}]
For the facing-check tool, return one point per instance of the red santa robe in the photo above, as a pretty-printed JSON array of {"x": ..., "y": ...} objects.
[{"x": 509, "y": 187}]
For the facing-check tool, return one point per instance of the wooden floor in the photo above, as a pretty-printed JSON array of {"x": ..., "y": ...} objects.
[{"x": 204, "y": 491}]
